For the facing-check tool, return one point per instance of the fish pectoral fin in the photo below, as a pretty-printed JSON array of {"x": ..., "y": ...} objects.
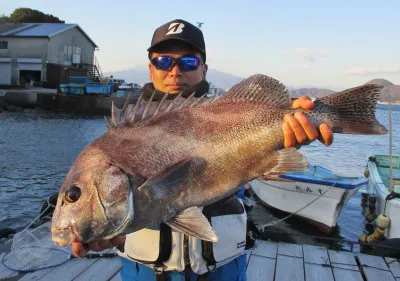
[
  {"x": 168, "y": 182},
  {"x": 285, "y": 161},
  {"x": 193, "y": 223}
]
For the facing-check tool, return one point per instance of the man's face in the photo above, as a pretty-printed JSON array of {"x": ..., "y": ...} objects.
[{"x": 176, "y": 80}]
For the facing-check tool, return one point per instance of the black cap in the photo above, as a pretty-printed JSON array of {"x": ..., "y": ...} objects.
[{"x": 179, "y": 30}]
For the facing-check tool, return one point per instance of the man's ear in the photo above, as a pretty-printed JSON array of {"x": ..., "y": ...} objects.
[
  {"x": 150, "y": 72},
  {"x": 205, "y": 68}
]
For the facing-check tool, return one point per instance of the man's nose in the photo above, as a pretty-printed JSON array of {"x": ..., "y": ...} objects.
[{"x": 175, "y": 71}]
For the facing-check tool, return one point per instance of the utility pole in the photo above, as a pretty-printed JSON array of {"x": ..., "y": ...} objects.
[{"x": 199, "y": 24}]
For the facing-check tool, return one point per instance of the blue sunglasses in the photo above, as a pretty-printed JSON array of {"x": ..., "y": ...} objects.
[{"x": 167, "y": 63}]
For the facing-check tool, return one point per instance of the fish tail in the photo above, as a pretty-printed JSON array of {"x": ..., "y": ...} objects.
[{"x": 354, "y": 110}]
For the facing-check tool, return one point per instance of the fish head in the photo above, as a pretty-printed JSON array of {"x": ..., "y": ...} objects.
[{"x": 95, "y": 201}]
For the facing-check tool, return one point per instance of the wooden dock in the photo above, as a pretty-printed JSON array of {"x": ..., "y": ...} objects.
[{"x": 267, "y": 261}]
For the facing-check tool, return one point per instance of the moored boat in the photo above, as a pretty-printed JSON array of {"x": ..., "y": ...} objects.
[
  {"x": 387, "y": 195},
  {"x": 316, "y": 195}
]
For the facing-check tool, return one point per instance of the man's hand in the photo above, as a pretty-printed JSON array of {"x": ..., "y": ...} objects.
[
  {"x": 80, "y": 250},
  {"x": 298, "y": 130}
]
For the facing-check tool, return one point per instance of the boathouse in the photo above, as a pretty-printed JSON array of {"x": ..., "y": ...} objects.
[{"x": 44, "y": 54}]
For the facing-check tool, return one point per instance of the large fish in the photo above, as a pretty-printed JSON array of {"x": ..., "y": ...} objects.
[{"x": 164, "y": 167}]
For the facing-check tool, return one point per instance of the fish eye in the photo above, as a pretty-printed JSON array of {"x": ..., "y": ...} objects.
[{"x": 72, "y": 194}]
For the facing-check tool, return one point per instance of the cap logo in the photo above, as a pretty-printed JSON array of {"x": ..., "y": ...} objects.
[{"x": 175, "y": 28}]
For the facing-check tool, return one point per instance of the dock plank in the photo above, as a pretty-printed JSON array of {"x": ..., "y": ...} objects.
[
  {"x": 374, "y": 274},
  {"x": 394, "y": 266},
  {"x": 288, "y": 269},
  {"x": 260, "y": 268},
  {"x": 70, "y": 270},
  {"x": 65, "y": 272},
  {"x": 117, "y": 277},
  {"x": 372, "y": 261},
  {"x": 341, "y": 274},
  {"x": 266, "y": 249},
  {"x": 292, "y": 250},
  {"x": 5, "y": 272},
  {"x": 345, "y": 260},
  {"x": 315, "y": 254},
  {"x": 104, "y": 269},
  {"x": 317, "y": 272}
]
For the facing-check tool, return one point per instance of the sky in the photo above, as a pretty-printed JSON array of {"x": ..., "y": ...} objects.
[{"x": 327, "y": 44}]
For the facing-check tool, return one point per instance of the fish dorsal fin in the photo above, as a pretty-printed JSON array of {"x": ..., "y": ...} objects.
[
  {"x": 193, "y": 223},
  {"x": 147, "y": 108},
  {"x": 259, "y": 88}
]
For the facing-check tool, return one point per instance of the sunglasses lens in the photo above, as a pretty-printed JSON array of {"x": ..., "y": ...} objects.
[
  {"x": 163, "y": 63},
  {"x": 184, "y": 63},
  {"x": 189, "y": 63}
]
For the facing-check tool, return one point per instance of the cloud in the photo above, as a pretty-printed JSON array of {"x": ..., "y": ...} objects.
[
  {"x": 307, "y": 54},
  {"x": 288, "y": 69},
  {"x": 371, "y": 71}
]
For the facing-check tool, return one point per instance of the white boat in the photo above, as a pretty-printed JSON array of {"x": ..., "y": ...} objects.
[
  {"x": 316, "y": 195},
  {"x": 387, "y": 201}
]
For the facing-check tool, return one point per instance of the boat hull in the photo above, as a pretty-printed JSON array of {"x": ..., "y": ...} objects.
[
  {"x": 319, "y": 204},
  {"x": 378, "y": 187}
]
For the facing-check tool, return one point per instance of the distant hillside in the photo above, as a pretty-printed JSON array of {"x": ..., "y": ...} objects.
[
  {"x": 311, "y": 92},
  {"x": 140, "y": 75},
  {"x": 389, "y": 90}
]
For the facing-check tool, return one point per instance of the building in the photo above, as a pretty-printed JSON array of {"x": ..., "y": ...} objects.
[{"x": 44, "y": 53}]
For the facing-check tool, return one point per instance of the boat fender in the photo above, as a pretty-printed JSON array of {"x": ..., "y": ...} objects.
[
  {"x": 370, "y": 217},
  {"x": 372, "y": 209},
  {"x": 366, "y": 173},
  {"x": 383, "y": 221},
  {"x": 379, "y": 234}
]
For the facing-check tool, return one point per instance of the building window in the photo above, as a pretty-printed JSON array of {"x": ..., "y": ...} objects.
[{"x": 3, "y": 45}]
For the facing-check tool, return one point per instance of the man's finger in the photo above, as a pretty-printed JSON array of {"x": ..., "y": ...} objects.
[
  {"x": 295, "y": 125},
  {"x": 303, "y": 102},
  {"x": 307, "y": 126},
  {"x": 79, "y": 250},
  {"x": 288, "y": 134},
  {"x": 326, "y": 134}
]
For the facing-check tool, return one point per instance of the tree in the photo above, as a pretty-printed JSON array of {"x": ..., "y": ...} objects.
[
  {"x": 27, "y": 15},
  {"x": 4, "y": 19}
]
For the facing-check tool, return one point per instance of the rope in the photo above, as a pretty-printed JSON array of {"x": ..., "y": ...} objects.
[{"x": 261, "y": 228}]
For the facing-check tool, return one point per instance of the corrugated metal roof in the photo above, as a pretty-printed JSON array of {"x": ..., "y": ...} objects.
[
  {"x": 45, "y": 29},
  {"x": 4, "y": 28},
  {"x": 38, "y": 30}
]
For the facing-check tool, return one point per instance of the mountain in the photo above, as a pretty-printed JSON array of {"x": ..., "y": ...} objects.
[
  {"x": 311, "y": 92},
  {"x": 222, "y": 80},
  {"x": 389, "y": 91},
  {"x": 140, "y": 75}
]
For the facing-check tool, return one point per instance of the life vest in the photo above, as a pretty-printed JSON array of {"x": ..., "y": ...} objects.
[{"x": 163, "y": 248}]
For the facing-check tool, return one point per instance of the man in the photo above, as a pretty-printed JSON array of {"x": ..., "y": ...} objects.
[{"x": 177, "y": 63}]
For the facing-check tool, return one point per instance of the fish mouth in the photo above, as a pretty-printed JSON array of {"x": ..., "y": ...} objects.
[{"x": 65, "y": 236}]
